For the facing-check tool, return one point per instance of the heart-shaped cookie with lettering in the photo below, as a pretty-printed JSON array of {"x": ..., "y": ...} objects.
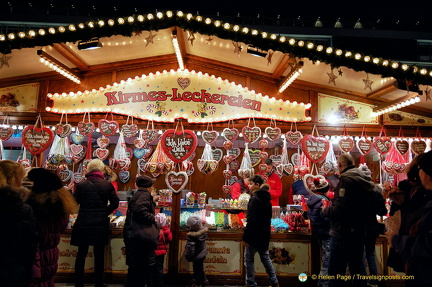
[
  {"x": 217, "y": 154},
  {"x": 129, "y": 130},
  {"x": 232, "y": 180},
  {"x": 79, "y": 157},
  {"x": 294, "y": 137},
  {"x": 129, "y": 152},
  {"x": 209, "y": 136},
  {"x": 150, "y": 136},
  {"x": 124, "y": 176},
  {"x": 263, "y": 155},
  {"x": 86, "y": 128},
  {"x": 272, "y": 133},
  {"x": 139, "y": 143},
  {"x": 227, "y": 173},
  {"x": 65, "y": 174},
  {"x": 108, "y": 128},
  {"x": 418, "y": 146},
  {"x": 382, "y": 145},
  {"x": 176, "y": 181},
  {"x": 276, "y": 158},
  {"x": 288, "y": 168},
  {"x": 103, "y": 142},
  {"x": 36, "y": 140},
  {"x": 346, "y": 144},
  {"x": 63, "y": 130},
  {"x": 228, "y": 159},
  {"x": 255, "y": 156},
  {"x": 402, "y": 146},
  {"x": 228, "y": 145},
  {"x": 77, "y": 177},
  {"x": 178, "y": 145},
  {"x": 183, "y": 82},
  {"x": 142, "y": 164},
  {"x": 230, "y": 134},
  {"x": 263, "y": 143},
  {"x": 76, "y": 148},
  {"x": 123, "y": 163},
  {"x": 364, "y": 146},
  {"x": 262, "y": 167},
  {"x": 234, "y": 165},
  {"x": 251, "y": 134},
  {"x": 315, "y": 148},
  {"x": 235, "y": 152},
  {"x": 226, "y": 188},
  {"x": 77, "y": 138},
  {"x": 101, "y": 153},
  {"x": 5, "y": 132}
]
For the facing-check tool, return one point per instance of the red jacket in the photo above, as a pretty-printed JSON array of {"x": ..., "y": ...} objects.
[
  {"x": 165, "y": 237},
  {"x": 275, "y": 191}
]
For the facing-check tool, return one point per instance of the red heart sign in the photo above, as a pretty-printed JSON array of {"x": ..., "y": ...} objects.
[
  {"x": 230, "y": 134},
  {"x": 315, "y": 148},
  {"x": 176, "y": 181},
  {"x": 382, "y": 145},
  {"x": 108, "y": 128},
  {"x": 178, "y": 145},
  {"x": 273, "y": 133},
  {"x": 364, "y": 146},
  {"x": 209, "y": 136},
  {"x": 418, "y": 146},
  {"x": 346, "y": 144},
  {"x": 63, "y": 130},
  {"x": 36, "y": 140},
  {"x": 294, "y": 137},
  {"x": 402, "y": 146},
  {"x": 251, "y": 135},
  {"x": 86, "y": 128},
  {"x": 130, "y": 130},
  {"x": 6, "y": 133}
]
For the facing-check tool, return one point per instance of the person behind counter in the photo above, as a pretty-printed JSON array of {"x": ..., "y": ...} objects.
[
  {"x": 52, "y": 204},
  {"x": 238, "y": 187},
  {"x": 274, "y": 181},
  {"x": 97, "y": 199},
  {"x": 256, "y": 236}
]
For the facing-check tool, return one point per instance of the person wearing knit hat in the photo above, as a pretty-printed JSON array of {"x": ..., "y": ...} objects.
[
  {"x": 196, "y": 250},
  {"x": 144, "y": 181},
  {"x": 52, "y": 204},
  {"x": 165, "y": 238},
  {"x": 415, "y": 242}
]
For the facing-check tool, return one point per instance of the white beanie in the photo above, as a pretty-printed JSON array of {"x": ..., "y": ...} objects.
[{"x": 161, "y": 219}]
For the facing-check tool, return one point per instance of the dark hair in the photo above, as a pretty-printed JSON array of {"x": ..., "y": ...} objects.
[
  {"x": 412, "y": 169},
  {"x": 257, "y": 179},
  {"x": 269, "y": 161},
  {"x": 425, "y": 163}
]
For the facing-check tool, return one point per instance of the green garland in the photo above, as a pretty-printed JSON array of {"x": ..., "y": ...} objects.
[{"x": 127, "y": 26}]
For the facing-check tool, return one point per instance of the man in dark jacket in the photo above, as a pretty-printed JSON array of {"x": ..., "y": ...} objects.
[
  {"x": 348, "y": 212},
  {"x": 256, "y": 234}
]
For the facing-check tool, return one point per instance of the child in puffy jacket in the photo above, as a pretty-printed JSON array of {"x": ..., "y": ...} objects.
[
  {"x": 165, "y": 237},
  {"x": 196, "y": 250}
]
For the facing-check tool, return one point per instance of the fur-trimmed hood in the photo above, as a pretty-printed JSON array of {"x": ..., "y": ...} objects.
[
  {"x": 56, "y": 203},
  {"x": 198, "y": 232}
]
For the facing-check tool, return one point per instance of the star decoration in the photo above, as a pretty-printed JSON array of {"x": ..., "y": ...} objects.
[
  {"x": 208, "y": 40},
  {"x": 138, "y": 33},
  {"x": 332, "y": 77},
  {"x": 237, "y": 48},
  {"x": 368, "y": 83},
  {"x": 269, "y": 57},
  {"x": 428, "y": 93},
  {"x": 4, "y": 60},
  {"x": 150, "y": 37},
  {"x": 191, "y": 38},
  {"x": 340, "y": 72}
]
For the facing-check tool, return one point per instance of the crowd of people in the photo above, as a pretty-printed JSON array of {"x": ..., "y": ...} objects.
[{"x": 344, "y": 224}]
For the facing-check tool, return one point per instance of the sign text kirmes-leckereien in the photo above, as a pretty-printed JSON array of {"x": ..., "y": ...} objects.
[{"x": 117, "y": 98}]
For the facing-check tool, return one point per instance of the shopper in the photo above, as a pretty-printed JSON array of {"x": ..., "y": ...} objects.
[
  {"x": 111, "y": 176},
  {"x": 320, "y": 224},
  {"x": 165, "y": 238},
  {"x": 18, "y": 240},
  {"x": 373, "y": 227},
  {"x": 97, "y": 199},
  {"x": 416, "y": 246},
  {"x": 348, "y": 212},
  {"x": 52, "y": 204},
  {"x": 256, "y": 236},
  {"x": 196, "y": 251},
  {"x": 274, "y": 181},
  {"x": 141, "y": 234}
]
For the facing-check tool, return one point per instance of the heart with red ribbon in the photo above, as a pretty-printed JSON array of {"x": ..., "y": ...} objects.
[
  {"x": 294, "y": 137},
  {"x": 272, "y": 133},
  {"x": 86, "y": 128},
  {"x": 315, "y": 148},
  {"x": 129, "y": 130},
  {"x": 108, "y": 128},
  {"x": 364, "y": 146},
  {"x": 402, "y": 146},
  {"x": 178, "y": 145},
  {"x": 382, "y": 145},
  {"x": 176, "y": 181},
  {"x": 63, "y": 130},
  {"x": 209, "y": 136},
  {"x": 36, "y": 140},
  {"x": 346, "y": 144},
  {"x": 251, "y": 134},
  {"x": 230, "y": 134},
  {"x": 5, "y": 133},
  {"x": 418, "y": 146}
]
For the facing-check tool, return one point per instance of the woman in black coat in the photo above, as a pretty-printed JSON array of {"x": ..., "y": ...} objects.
[{"x": 92, "y": 226}]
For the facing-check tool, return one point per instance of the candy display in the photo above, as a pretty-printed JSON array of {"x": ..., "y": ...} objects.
[
  {"x": 165, "y": 197},
  {"x": 190, "y": 199},
  {"x": 202, "y": 199},
  {"x": 279, "y": 225}
]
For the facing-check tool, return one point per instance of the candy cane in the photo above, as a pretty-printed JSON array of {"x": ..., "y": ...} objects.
[
  {"x": 149, "y": 108},
  {"x": 212, "y": 108}
]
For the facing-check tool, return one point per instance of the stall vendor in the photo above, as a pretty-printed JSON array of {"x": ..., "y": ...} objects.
[{"x": 274, "y": 180}]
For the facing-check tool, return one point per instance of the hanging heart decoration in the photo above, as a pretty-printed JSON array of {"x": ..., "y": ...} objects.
[
  {"x": 124, "y": 176},
  {"x": 142, "y": 152},
  {"x": 63, "y": 130},
  {"x": 226, "y": 188},
  {"x": 141, "y": 164},
  {"x": 217, "y": 154},
  {"x": 234, "y": 165},
  {"x": 78, "y": 177},
  {"x": 101, "y": 153},
  {"x": 76, "y": 148},
  {"x": 263, "y": 155},
  {"x": 65, "y": 174},
  {"x": 139, "y": 143},
  {"x": 255, "y": 157},
  {"x": 262, "y": 167},
  {"x": 25, "y": 162},
  {"x": 251, "y": 135},
  {"x": 346, "y": 144},
  {"x": 227, "y": 173},
  {"x": 86, "y": 128},
  {"x": 228, "y": 145},
  {"x": 68, "y": 159},
  {"x": 178, "y": 145},
  {"x": 315, "y": 148},
  {"x": 418, "y": 146},
  {"x": 79, "y": 157},
  {"x": 77, "y": 138},
  {"x": 279, "y": 169},
  {"x": 232, "y": 180},
  {"x": 288, "y": 168},
  {"x": 382, "y": 145},
  {"x": 129, "y": 130},
  {"x": 176, "y": 181},
  {"x": 228, "y": 159},
  {"x": 235, "y": 152},
  {"x": 402, "y": 146},
  {"x": 129, "y": 153},
  {"x": 263, "y": 143},
  {"x": 209, "y": 136},
  {"x": 277, "y": 159},
  {"x": 230, "y": 134},
  {"x": 108, "y": 128},
  {"x": 6, "y": 132},
  {"x": 207, "y": 166},
  {"x": 36, "y": 140},
  {"x": 294, "y": 137},
  {"x": 295, "y": 158},
  {"x": 150, "y": 136},
  {"x": 103, "y": 142},
  {"x": 123, "y": 163},
  {"x": 364, "y": 146},
  {"x": 272, "y": 133}
]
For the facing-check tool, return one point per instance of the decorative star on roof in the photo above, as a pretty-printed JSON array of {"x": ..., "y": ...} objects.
[
  {"x": 332, "y": 77},
  {"x": 208, "y": 40},
  {"x": 237, "y": 48},
  {"x": 368, "y": 83},
  {"x": 428, "y": 93},
  {"x": 4, "y": 60},
  {"x": 191, "y": 38},
  {"x": 340, "y": 72},
  {"x": 150, "y": 37},
  {"x": 269, "y": 57},
  {"x": 138, "y": 33}
]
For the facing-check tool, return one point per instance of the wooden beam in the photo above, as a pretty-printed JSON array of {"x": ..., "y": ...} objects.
[
  {"x": 281, "y": 67},
  {"x": 71, "y": 56},
  {"x": 381, "y": 92}
]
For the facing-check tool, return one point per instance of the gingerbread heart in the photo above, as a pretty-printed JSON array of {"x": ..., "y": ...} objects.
[
  {"x": 183, "y": 82},
  {"x": 77, "y": 177},
  {"x": 108, "y": 128},
  {"x": 262, "y": 167},
  {"x": 123, "y": 163},
  {"x": 418, "y": 146},
  {"x": 263, "y": 143},
  {"x": 255, "y": 157},
  {"x": 230, "y": 134},
  {"x": 36, "y": 140},
  {"x": 130, "y": 130},
  {"x": 178, "y": 145},
  {"x": 150, "y": 135},
  {"x": 227, "y": 144},
  {"x": 295, "y": 158},
  {"x": 77, "y": 138},
  {"x": 65, "y": 174},
  {"x": 226, "y": 188},
  {"x": 124, "y": 176},
  {"x": 382, "y": 145},
  {"x": 176, "y": 181},
  {"x": 101, "y": 153},
  {"x": 227, "y": 173},
  {"x": 63, "y": 130},
  {"x": 139, "y": 143},
  {"x": 402, "y": 146},
  {"x": 277, "y": 159},
  {"x": 272, "y": 133},
  {"x": 346, "y": 144},
  {"x": 217, "y": 154},
  {"x": 78, "y": 157},
  {"x": 364, "y": 146},
  {"x": 76, "y": 148},
  {"x": 86, "y": 128},
  {"x": 103, "y": 142},
  {"x": 6, "y": 132},
  {"x": 288, "y": 168},
  {"x": 294, "y": 137},
  {"x": 139, "y": 152},
  {"x": 232, "y": 180},
  {"x": 310, "y": 180},
  {"x": 234, "y": 165},
  {"x": 129, "y": 153},
  {"x": 228, "y": 159},
  {"x": 209, "y": 136},
  {"x": 263, "y": 155},
  {"x": 251, "y": 135},
  {"x": 235, "y": 152},
  {"x": 315, "y": 148},
  {"x": 142, "y": 164}
]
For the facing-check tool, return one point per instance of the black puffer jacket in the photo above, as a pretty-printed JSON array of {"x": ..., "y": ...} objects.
[
  {"x": 18, "y": 240},
  {"x": 320, "y": 224},
  {"x": 196, "y": 246},
  {"x": 93, "y": 196},
  {"x": 259, "y": 213}
]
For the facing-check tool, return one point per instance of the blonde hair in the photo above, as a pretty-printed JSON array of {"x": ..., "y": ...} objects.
[
  {"x": 9, "y": 171},
  {"x": 96, "y": 165},
  {"x": 112, "y": 175}
]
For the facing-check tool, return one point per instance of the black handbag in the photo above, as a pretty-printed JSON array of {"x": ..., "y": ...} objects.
[{"x": 148, "y": 233}]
